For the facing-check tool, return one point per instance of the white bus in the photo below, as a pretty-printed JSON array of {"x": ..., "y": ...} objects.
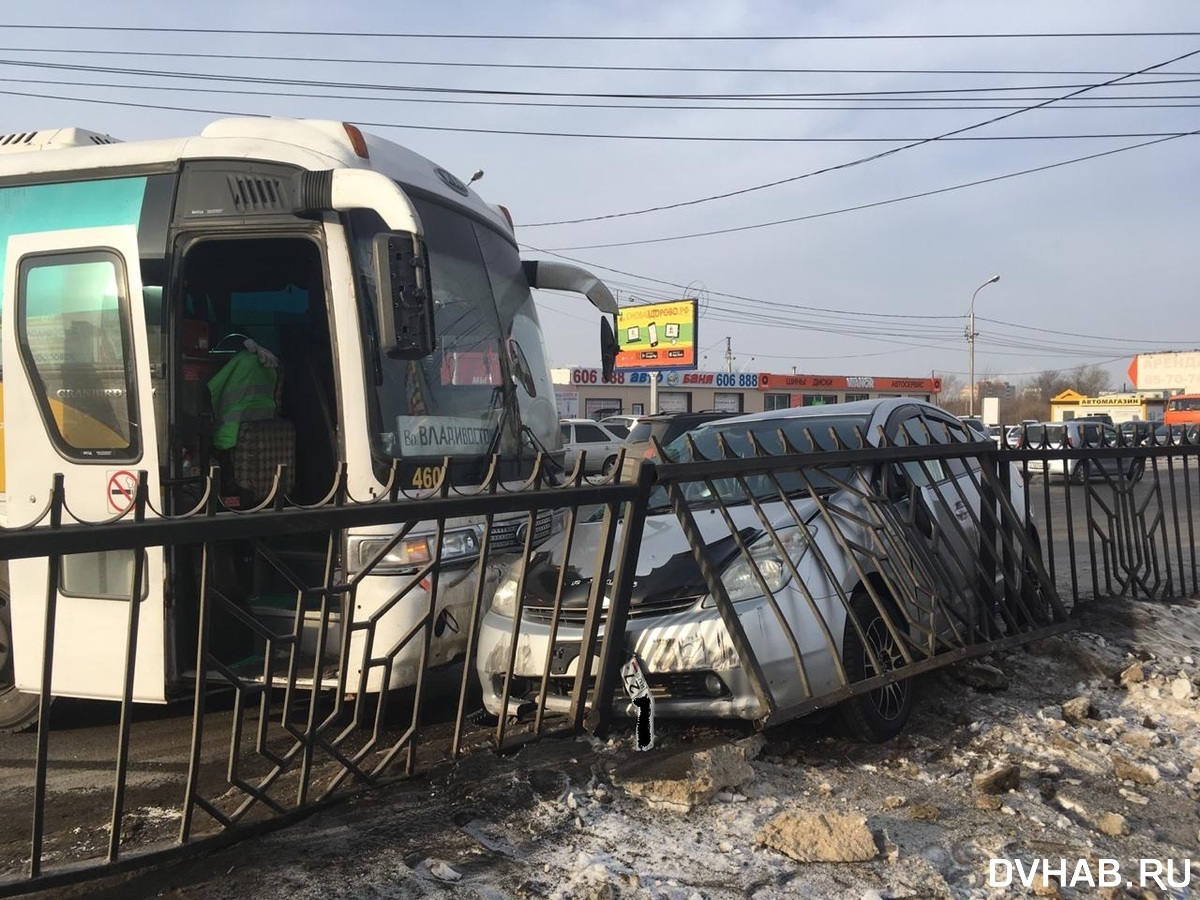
[{"x": 392, "y": 297}]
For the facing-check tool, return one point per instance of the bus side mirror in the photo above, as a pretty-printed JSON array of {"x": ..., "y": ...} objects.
[
  {"x": 608, "y": 349},
  {"x": 403, "y": 299}
]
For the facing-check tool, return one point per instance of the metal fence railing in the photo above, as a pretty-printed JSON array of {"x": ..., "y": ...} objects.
[
  {"x": 319, "y": 650},
  {"x": 1118, "y": 515},
  {"x": 328, "y": 649}
]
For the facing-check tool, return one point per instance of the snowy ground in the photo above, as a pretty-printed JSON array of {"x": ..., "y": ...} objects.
[{"x": 1115, "y": 777}]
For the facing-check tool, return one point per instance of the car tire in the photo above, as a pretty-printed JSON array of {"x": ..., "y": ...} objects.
[
  {"x": 1035, "y": 609},
  {"x": 18, "y": 710},
  {"x": 881, "y": 714},
  {"x": 1079, "y": 473},
  {"x": 608, "y": 465}
]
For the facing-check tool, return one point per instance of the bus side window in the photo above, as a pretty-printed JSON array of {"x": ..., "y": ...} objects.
[{"x": 74, "y": 334}]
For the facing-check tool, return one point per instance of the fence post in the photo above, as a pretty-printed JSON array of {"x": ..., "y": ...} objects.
[{"x": 618, "y": 612}]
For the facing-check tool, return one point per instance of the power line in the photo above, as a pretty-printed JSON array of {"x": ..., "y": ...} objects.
[
  {"x": 1092, "y": 337},
  {"x": 625, "y": 95},
  {"x": 756, "y": 300},
  {"x": 866, "y": 159},
  {"x": 667, "y": 138},
  {"x": 687, "y": 38},
  {"x": 1096, "y": 362},
  {"x": 561, "y": 67},
  {"x": 623, "y": 137},
  {"x": 950, "y": 340},
  {"x": 568, "y": 105},
  {"x": 877, "y": 203}
]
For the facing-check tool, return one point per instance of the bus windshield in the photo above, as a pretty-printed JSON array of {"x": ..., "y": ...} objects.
[{"x": 488, "y": 379}]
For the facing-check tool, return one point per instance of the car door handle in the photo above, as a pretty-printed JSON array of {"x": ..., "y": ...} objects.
[{"x": 922, "y": 518}]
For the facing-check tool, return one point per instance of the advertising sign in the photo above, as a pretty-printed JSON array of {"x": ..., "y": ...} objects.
[
  {"x": 657, "y": 336},
  {"x": 768, "y": 381},
  {"x": 1177, "y": 370}
]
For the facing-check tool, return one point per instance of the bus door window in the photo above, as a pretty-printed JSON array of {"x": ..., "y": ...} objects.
[{"x": 74, "y": 333}]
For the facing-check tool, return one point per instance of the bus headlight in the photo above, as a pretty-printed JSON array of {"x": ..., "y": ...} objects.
[{"x": 412, "y": 552}]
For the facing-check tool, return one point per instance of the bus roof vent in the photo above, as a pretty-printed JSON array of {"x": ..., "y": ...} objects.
[
  {"x": 258, "y": 193},
  {"x": 53, "y": 139}
]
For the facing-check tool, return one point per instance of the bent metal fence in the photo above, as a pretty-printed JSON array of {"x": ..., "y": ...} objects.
[{"x": 325, "y": 650}]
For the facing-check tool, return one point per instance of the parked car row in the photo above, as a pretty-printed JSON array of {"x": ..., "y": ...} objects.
[
  {"x": 604, "y": 440},
  {"x": 1075, "y": 434}
]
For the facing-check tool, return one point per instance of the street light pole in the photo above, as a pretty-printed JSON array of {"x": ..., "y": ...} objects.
[{"x": 971, "y": 335}]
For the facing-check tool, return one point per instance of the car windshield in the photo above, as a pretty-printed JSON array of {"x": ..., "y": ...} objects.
[{"x": 779, "y": 436}]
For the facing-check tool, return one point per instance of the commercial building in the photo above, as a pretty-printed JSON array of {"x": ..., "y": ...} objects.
[
  {"x": 1146, "y": 406},
  {"x": 583, "y": 392}
]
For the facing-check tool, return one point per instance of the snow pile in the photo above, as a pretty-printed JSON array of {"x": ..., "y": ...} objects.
[{"x": 1083, "y": 747}]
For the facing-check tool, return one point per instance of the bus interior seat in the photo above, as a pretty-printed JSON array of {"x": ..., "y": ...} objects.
[{"x": 262, "y": 446}]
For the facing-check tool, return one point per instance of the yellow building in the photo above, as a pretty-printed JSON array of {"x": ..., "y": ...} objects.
[{"x": 1146, "y": 406}]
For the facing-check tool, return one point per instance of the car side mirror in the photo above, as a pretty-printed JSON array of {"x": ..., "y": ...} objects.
[{"x": 403, "y": 299}]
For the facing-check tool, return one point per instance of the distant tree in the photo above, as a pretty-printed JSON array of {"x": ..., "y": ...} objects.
[
  {"x": 1045, "y": 385},
  {"x": 951, "y": 390},
  {"x": 1089, "y": 380}
]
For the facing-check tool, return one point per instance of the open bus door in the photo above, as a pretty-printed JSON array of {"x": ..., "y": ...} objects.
[{"x": 78, "y": 400}]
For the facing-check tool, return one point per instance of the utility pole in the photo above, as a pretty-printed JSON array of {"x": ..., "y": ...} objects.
[
  {"x": 728, "y": 356},
  {"x": 971, "y": 335}
]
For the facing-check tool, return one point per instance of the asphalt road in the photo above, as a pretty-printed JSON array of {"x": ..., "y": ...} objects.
[{"x": 83, "y": 740}]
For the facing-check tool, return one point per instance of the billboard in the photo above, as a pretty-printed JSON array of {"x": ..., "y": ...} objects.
[
  {"x": 768, "y": 381},
  {"x": 1171, "y": 370},
  {"x": 657, "y": 336}
]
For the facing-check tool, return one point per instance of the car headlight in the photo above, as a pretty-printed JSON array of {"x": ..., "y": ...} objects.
[
  {"x": 504, "y": 601},
  {"x": 739, "y": 578},
  {"x": 413, "y": 551}
]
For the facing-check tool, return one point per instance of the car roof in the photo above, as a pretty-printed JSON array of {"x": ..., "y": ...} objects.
[
  {"x": 876, "y": 407},
  {"x": 668, "y": 416}
]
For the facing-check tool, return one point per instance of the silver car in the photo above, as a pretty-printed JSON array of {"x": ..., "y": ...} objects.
[
  {"x": 674, "y": 627},
  {"x": 1079, "y": 433},
  {"x": 601, "y": 446}
]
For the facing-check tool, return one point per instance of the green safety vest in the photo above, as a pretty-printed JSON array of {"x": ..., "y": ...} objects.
[{"x": 243, "y": 391}]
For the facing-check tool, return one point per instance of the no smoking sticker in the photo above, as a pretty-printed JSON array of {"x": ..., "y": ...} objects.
[{"x": 122, "y": 488}]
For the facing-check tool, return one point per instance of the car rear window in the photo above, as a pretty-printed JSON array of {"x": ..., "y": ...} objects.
[
  {"x": 668, "y": 431},
  {"x": 1036, "y": 435},
  {"x": 640, "y": 432}
]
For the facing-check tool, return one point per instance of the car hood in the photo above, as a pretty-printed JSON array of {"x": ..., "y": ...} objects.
[{"x": 667, "y": 571}]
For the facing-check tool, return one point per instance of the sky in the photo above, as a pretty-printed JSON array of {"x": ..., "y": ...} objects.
[{"x": 1095, "y": 257}]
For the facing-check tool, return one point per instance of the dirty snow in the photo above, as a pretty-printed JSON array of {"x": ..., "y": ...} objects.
[{"x": 1097, "y": 729}]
